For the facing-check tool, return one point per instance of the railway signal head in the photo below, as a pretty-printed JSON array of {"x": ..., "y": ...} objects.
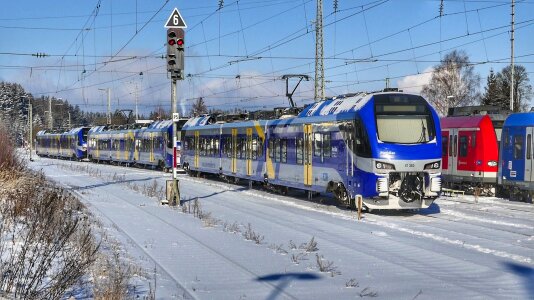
[{"x": 175, "y": 52}]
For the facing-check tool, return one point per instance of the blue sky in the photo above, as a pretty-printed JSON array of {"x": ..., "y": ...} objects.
[{"x": 236, "y": 55}]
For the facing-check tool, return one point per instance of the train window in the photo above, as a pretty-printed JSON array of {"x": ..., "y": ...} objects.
[
  {"x": 169, "y": 139},
  {"x": 299, "y": 147},
  {"x": 473, "y": 139},
  {"x": 317, "y": 141},
  {"x": 518, "y": 147},
  {"x": 450, "y": 145},
  {"x": 230, "y": 147},
  {"x": 361, "y": 142},
  {"x": 276, "y": 150},
  {"x": 463, "y": 146},
  {"x": 254, "y": 149},
  {"x": 283, "y": 152},
  {"x": 249, "y": 147},
  {"x": 327, "y": 145},
  {"x": 529, "y": 146},
  {"x": 271, "y": 148},
  {"x": 217, "y": 148},
  {"x": 238, "y": 148},
  {"x": 213, "y": 147},
  {"x": 444, "y": 144},
  {"x": 243, "y": 148},
  {"x": 260, "y": 148},
  {"x": 455, "y": 147}
]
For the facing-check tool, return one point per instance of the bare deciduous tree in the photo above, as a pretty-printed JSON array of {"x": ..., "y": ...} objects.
[
  {"x": 199, "y": 107},
  {"x": 453, "y": 83}
]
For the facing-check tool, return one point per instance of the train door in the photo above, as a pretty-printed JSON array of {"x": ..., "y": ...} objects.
[
  {"x": 151, "y": 144},
  {"x": 445, "y": 152},
  {"x": 465, "y": 157},
  {"x": 96, "y": 144},
  {"x": 197, "y": 148},
  {"x": 130, "y": 146},
  {"x": 117, "y": 142},
  {"x": 249, "y": 151},
  {"x": 137, "y": 145},
  {"x": 308, "y": 154},
  {"x": 234, "y": 150},
  {"x": 453, "y": 151},
  {"x": 529, "y": 158}
]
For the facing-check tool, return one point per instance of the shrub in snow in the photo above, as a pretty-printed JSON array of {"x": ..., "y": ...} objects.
[
  {"x": 251, "y": 235},
  {"x": 310, "y": 246},
  {"x": 326, "y": 266},
  {"x": 9, "y": 160},
  {"x": 47, "y": 243}
]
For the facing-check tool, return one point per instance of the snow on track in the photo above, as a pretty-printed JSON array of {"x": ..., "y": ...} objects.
[{"x": 459, "y": 250}]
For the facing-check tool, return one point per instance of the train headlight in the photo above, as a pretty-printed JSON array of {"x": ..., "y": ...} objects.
[
  {"x": 433, "y": 165},
  {"x": 384, "y": 166},
  {"x": 492, "y": 163}
]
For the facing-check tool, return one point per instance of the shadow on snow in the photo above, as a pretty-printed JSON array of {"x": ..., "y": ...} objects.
[{"x": 281, "y": 280}]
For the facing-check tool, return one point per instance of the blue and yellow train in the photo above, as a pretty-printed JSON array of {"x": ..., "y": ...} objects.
[
  {"x": 385, "y": 147},
  {"x": 149, "y": 146},
  {"x": 71, "y": 144}
]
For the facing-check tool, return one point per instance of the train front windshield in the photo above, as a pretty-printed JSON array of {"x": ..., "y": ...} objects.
[{"x": 403, "y": 119}]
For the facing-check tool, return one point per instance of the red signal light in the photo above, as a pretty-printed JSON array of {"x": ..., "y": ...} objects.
[
  {"x": 172, "y": 42},
  {"x": 180, "y": 42}
]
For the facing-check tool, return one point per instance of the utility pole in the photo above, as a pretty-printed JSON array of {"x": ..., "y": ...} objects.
[
  {"x": 50, "y": 120},
  {"x": 108, "y": 90},
  {"x": 512, "y": 60},
  {"x": 319, "y": 55},
  {"x": 136, "y": 111},
  {"x": 30, "y": 125}
]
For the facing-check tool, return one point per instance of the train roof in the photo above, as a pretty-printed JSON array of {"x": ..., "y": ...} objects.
[
  {"x": 463, "y": 122},
  {"x": 520, "y": 119},
  {"x": 160, "y": 124},
  {"x": 71, "y": 131},
  {"x": 329, "y": 109},
  {"x": 337, "y": 105}
]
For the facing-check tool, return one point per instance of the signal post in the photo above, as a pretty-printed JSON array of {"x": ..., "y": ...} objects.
[{"x": 175, "y": 66}]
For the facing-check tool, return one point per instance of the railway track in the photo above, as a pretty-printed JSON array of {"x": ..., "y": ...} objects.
[
  {"x": 182, "y": 232},
  {"x": 385, "y": 237}
]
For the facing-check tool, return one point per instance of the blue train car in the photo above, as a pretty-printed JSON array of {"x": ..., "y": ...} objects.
[
  {"x": 71, "y": 144},
  {"x": 146, "y": 146},
  {"x": 515, "y": 173},
  {"x": 383, "y": 146}
]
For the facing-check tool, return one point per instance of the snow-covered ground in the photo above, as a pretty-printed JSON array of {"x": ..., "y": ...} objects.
[{"x": 456, "y": 249}]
